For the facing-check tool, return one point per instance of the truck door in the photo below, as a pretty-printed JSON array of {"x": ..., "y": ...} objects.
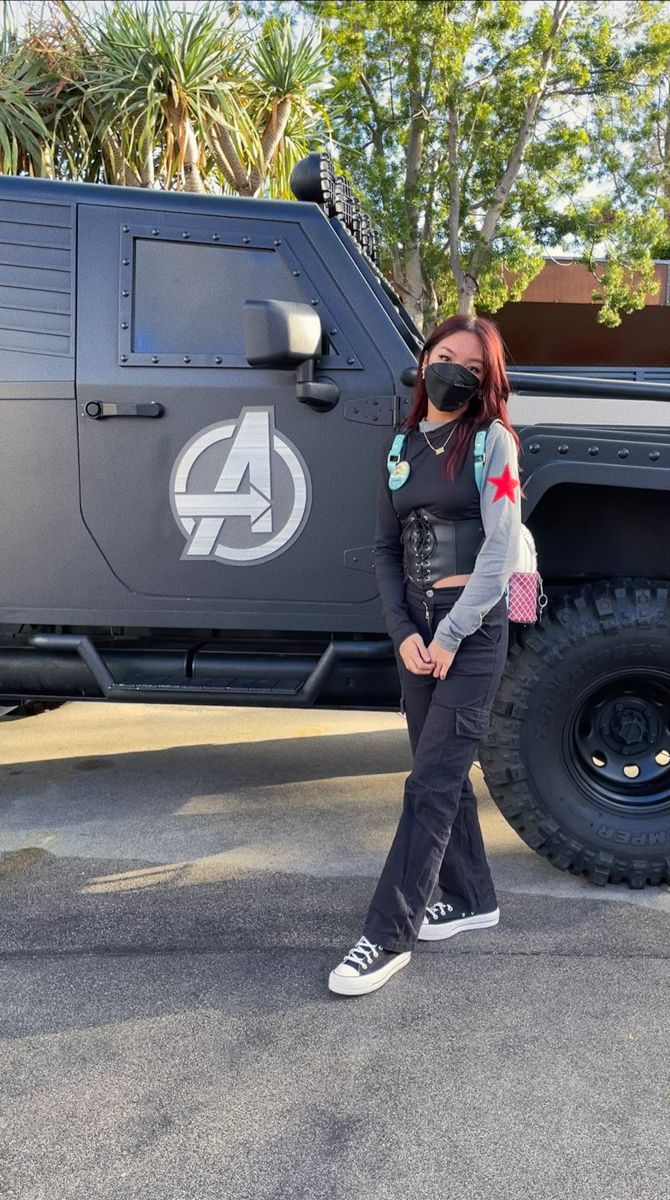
[{"x": 236, "y": 490}]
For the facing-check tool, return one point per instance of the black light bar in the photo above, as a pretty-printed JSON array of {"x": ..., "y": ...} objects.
[{"x": 314, "y": 179}]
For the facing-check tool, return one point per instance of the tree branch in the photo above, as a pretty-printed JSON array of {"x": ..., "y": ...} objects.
[
  {"x": 509, "y": 176},
  {"x": 454, "y": 197}
]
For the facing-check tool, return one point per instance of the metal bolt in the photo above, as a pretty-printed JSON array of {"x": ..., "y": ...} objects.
[
  {"x": 126, "y": 228},
  {"x": 333, "y": 332},
  {"x": 216, "y": 237},
  {"x": 593, "y": 450},
  {"x": 563, "y": 448},
  {"x": 185, "y": 235},
  {"x": 124, "y": 324},
  {"x": 350, "y": 362},
  {"x": 534, "y": 447},
  {"x": 155, "y": 358},
  {"x": 277, "y": 242},
  {"x": 218, "y": 359},
  {"x": 623, "y": 453},
  {"x": 314, "y": 302},
  {"x": 124, "y": 358},
  {"x": 296, "y": 273},
  {"x": 155, "y": 232},
  {"x": 246, "y": 240},
  {"x": 187, "y": 358},
  {"x": 125, "y": 262},
  {"x": 654, "y": 455}
]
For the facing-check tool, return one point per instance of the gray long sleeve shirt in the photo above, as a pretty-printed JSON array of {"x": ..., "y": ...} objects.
[{"x": 499, "y": 507}]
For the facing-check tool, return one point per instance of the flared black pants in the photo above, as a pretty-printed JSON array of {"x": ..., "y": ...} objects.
[{"x": 438, "y": 837}]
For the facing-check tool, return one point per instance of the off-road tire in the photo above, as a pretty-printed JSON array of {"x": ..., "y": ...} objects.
[{"x": 596, "y": 667}]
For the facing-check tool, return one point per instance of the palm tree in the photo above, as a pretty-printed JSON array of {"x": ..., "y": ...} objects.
[
  {"x": 149, "y": 94},
  {"x": 23, "y": 134},
  {"x": 285, "y": 73}
]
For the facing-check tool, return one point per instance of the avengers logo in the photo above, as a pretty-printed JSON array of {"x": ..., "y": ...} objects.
[{"x": 240, "y": 491}]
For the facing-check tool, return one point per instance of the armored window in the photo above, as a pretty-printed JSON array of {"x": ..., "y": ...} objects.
[{"x": 182, "y": 298}]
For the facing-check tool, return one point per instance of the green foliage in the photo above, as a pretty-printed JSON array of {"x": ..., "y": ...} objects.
[
  {"x": 430, "y": 100},
  {"x": 149, "y": 93}
]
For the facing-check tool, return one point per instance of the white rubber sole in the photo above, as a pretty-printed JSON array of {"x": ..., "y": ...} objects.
[
  {"x": 358, "y": 985},
  {"x": 438, "y": 933}
]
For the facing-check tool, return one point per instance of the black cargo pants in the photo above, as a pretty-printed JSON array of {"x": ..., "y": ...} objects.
[{"x": 438, "y": 837}]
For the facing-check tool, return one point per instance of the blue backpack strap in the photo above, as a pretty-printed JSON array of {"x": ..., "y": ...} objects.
[
  {"x": 396, "y": 451},
  {"x": 480, "y": 452},
  {"x": 480, "y": 456}
]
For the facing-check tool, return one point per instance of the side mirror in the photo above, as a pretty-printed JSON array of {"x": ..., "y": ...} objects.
[
  {"x": 284, "y": 334},
  {"x": 280, "y": 333}
]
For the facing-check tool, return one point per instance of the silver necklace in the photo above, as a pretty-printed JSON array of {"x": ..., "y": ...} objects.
[{"x": 440, "y": 449}]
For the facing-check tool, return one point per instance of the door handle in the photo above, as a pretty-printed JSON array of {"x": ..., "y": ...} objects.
[{"x": 97, "y": 409}]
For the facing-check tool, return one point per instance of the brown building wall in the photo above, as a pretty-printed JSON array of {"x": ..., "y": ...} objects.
[
  {"x": 568, "y": 282},
  {"x": 542, "y": 334}
]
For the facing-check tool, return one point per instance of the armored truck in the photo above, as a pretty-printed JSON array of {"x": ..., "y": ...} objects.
[{"x": 194, "y": 392}]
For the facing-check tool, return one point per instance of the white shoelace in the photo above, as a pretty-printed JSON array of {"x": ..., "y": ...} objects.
[
  {"x": 439, "y": 910},
  {"x": 366, "y": 949}
]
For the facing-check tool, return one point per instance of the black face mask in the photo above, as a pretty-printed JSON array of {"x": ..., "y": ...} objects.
[{"x": 450, "y": 386}]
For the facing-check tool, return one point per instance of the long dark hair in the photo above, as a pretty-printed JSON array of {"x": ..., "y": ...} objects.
[{"x": 491, "y": 400}]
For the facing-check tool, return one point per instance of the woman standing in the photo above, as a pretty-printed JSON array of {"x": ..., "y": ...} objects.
[{"x": 443, "y": 558}]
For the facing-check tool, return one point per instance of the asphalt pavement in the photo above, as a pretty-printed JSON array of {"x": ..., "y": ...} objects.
[{"x": 175, "y": 885}]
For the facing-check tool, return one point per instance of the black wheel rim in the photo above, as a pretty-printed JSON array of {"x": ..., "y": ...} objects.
[{"x": 617, "y": 740}]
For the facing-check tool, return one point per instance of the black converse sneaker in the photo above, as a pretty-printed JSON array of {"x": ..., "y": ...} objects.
[
  {"x": 443, "y": 921},
  {"x": 365, "y": 968}
]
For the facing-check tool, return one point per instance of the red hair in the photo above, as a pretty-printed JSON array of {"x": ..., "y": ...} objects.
[{"x": 491, "y": 400}]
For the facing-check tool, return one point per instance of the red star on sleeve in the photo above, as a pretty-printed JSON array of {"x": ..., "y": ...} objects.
[{"x": 505, "y": 485}]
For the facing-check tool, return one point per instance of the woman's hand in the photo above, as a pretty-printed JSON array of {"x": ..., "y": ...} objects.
[
  {"x": 415, "y": 656},
  {"x": 441, "y": 659}
]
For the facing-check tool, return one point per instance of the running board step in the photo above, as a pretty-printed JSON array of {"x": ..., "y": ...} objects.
[
  {"x": 253, "y": 687},
  {"x": 286, "y": 691}
]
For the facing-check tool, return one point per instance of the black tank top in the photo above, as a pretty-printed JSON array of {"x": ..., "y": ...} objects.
[{"x": 452, "y": 500}]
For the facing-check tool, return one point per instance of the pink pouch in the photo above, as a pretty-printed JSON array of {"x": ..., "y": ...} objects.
[
  {"x": 522, "y": 596},
  {"x": 525, "y": 594}
]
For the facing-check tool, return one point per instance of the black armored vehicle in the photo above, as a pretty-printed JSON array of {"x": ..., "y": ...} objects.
[{"x": 193, "y": 396}]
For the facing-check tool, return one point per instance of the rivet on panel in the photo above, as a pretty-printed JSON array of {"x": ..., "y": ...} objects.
[
  {"x": 277, "y": 242},
  {"x": 187, "y": 358},
  {"x": 593, "y": 450},
  {"x": 155, "y": 232},
  {"x": 216, "y": 237},
  {"x": 125, "y": 293},
  {"x": 218, "y": 360},
  {"x": 124, "y": 358},
  {"x": 126, "y": 228},
  {"x": 246, "y": 240},
  {"x": 654, "y": 455},
  {"x": 314, "y": 303},
  {"x": 155, "y": 358},
  {"x": 186, "y": 235},
  {"x": 296, "y": 273},
  {"x": 563, "y": 448},
  {"x": 333, "y": 332},
  {"x": 350, "y": 362},
  {"x": 623, "y": 453},
  {"x": 125, "y": 262},
  {"x": 124, "y": 324}
]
